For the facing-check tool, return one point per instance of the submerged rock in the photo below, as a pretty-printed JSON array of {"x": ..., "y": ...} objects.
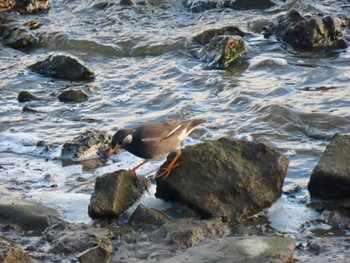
[
  {"x": 203, "y": 5},
  {"x": 11, "y": 253},
  {"x": 317, "y": 31},
  {"x": 330, "y": 178},
  {"x": 225, "y": 178},
  {"x": 24, "y": 6},
  {"x": 20, "y": 38},
  {"x": 73, "y": 95},
  {"x": 26, "y": 216},
  {"x": 63, "y": 67},
  {"x": 25, "y": 96},
  {"x": 114, "y": 193},
  {"x": 222, "y": 50},
  {"x": 254, "y": 249},
  {"x": 89, "y": 145}
]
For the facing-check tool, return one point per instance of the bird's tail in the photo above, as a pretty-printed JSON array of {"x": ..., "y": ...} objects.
[{"x": 196, "y": 122}]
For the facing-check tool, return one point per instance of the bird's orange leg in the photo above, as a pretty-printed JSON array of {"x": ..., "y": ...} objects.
[
  {"x": 136, "y": 167},
  {"x": 170, "y": 166}
]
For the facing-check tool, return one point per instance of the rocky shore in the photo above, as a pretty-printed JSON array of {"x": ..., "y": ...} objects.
[{"x": 219, "y": 193}]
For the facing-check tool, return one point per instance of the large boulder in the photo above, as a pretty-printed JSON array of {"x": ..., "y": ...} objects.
[
  {"x": 20, "y": 38},
  {"x": 88, "y": 145},
  {"x": 11, "y": 253},
  {"x": 114, "y": 193},
  {"x": 24, "y": 6},
  {"x": 29, "y": 217},
  {"x": 305, "y": 31},
  {"x": 330, "y": 179},
  {"x": 63, "y": 67},
  {"x": 205, "y": 36},
  {"x": 225, "y": 178},
  {"x": 144, "y": 215}
]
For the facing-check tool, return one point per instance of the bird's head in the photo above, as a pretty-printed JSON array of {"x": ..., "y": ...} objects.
[{"x": 119, "y": 140}]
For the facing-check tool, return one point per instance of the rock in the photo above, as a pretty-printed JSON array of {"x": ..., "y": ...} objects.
[
  {"x": 66, "y": 238},
  {"x": 225, "y": 178},
  {"x": 20, "y": 38},
  {"x": 24, "y": 6},
  {"x": 324, "y": 249},
  {"x": 25, "y": 96},
  {"x": 204, "y": 5},
  {"x": 114, "y": 193},
  {"x": 254, "y": 249},
  {"x": 148, "y": 216},
  {"x": 63, "y": 67},
  {"x": 73, "y": 95},
  {"x": 317, "y": 31},
  {"x": 222, "y": 50},
  {"x": 89, "y": 145},
  {"x": 30, "y": 109},
  {"x": 184, "y": 233},
  {"x": 11, "y": 253},
  {"x": 29, "y": 217},
  {"x": 330, "y": 179},
  {"x": 94, "y": 255},
  {"x": 205, "y": 37}
]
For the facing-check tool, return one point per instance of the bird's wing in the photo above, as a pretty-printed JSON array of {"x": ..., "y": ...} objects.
[{"x": 159, "y": 131}]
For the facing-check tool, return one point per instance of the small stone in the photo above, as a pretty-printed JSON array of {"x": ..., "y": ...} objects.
[
  {"x": 73, "y": 95},
  {"x": 25, "y": 96},
  {"x": 145, "y": 215}
]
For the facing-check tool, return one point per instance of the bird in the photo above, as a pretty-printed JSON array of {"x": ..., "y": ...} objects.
[{"x": 154, "y": 140}]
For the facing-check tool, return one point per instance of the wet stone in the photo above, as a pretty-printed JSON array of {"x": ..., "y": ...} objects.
[
  {"x": 316, "y": 31},
  {"x": 222, "y": 50},
  {"x": 25, "y": 96},
  {"x": 20, "y": 38},
  {"x": 29, "y": 217},
  {"x": 330, "y": 179},
  {"x": 24, "y": 7},
  {"x": 63, "y": 67},
  {"x": 114, "y": 193},
  {"x": 147, "y": 216},
  {"x": 10, "y": 252},
  {"x": 73, "y": 95},
  {"x": 89, "y": 145},
  {"x": 225, "y": 178}
]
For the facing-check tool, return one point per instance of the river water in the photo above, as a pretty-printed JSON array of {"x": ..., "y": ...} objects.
[{"x": 146, "y": 70}]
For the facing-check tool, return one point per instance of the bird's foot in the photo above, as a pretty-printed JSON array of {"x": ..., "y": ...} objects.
[{"x": 167, "y": 171}]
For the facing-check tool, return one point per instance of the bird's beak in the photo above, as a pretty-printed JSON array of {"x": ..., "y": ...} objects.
[{"x": 111, "y": 151}]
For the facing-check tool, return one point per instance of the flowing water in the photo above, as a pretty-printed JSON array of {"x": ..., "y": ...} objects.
[{"x": 146, "y": 70}]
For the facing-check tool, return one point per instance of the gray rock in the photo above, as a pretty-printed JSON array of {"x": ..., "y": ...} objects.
[
  {"x": 254, "y": 249},
  {"x": 20, "y": 38},
  {"x": 94, "y": 255},
  {"x": 144, "y": 215},
  {"x": 63, "y": 67},
  {"x": 331, "y": 176},
  {"x": 66, "y": 238},
  {"x": 317, "y": 31},
  {"x": 25, "y": 96},
  {"x": 73, "y": 95},
  {"x": 184, "y": 233},
  {"x": 114, "y": 193},
  {"x": 11, "y": 253},
  {"x": 89, "y": 145},
  {"x": 24, "y": 6},
  {"x": 225, "y": 178},
  {"x": 324, "y": 249},
  {"x": 222, "y": 50},
  {"x": 205, "y": 36},
  {"x": 29, "y": 217}
]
